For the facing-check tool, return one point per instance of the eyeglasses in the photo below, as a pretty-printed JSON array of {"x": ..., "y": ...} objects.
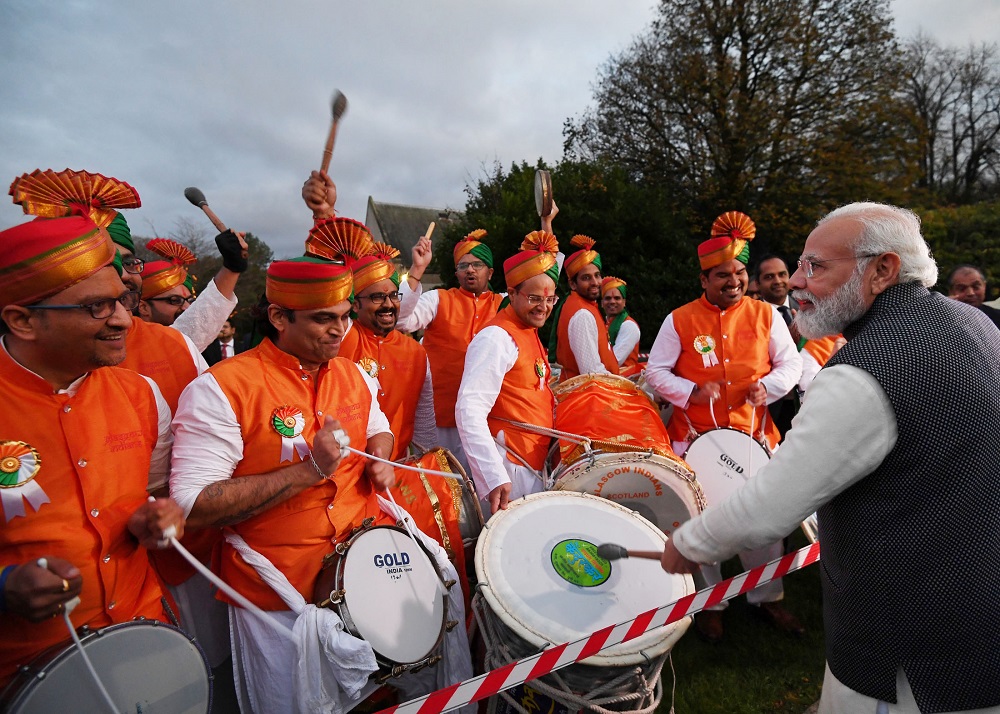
[
  {"x": 173, "y": 300},
  {"x": 536, "y": 300},
  {"x": 133, "y": 265},
  {"x": 808, "y": 264},
  {"x": 380, "y": 298},
  {"x": 99, "y": 309},
  {"x": 474, "y": 264}
]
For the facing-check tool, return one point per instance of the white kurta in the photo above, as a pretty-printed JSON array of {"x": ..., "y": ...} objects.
[
  {"x": 203, "y": 319},
  {"x": 583, "y": 337},
  {"x": 628, "y": 338}
]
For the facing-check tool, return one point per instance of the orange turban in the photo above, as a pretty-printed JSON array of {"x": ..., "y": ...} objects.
[
  {"x": 731, "y": 236},
  {"x": 158, "y": 276},
  {"x": 308, "y": 283},
  {"x": 537, "y": 257},
  {"x": 583, "y": 257}
]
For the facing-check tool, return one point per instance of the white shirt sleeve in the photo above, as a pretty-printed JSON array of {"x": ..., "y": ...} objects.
[
  {"x": 844, "y": 430},
  {"x": 492, "y": 353},
  {"x": 378, "y": 423},
  {"x": 583, "y": 337},
  {"x": 199, "y": 362},
  {"x": 425, "y": 422},
  {"x": 203, "y": 319},
  {"x": 628, "y": 338},
  {"x": 663, "y": 358},
  {"x": 810, "y": 368},
  {"x": 159, "y": 460},
  {"x": 786, "y": 365},
  {"x": 208, "y": 442},
  {"x": 417, "y": 309}
]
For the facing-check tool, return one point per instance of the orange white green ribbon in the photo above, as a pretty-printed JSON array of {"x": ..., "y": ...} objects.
[{"x": 19, "y": 464}]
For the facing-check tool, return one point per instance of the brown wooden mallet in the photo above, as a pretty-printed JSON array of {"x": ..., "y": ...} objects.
[
  {"x": 195, "y": 196},
  {"x": 613, "y": 551},
  {"x": 338, "y": 107}
]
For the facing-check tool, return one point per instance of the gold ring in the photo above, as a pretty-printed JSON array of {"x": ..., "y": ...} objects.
[{"x": 65, "y": 585}]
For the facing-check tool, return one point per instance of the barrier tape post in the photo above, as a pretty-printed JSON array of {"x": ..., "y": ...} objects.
[{"x": 555, "y": 658}]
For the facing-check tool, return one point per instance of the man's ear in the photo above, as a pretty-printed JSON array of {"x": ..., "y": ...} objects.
[
  {"x": 145, "y": 312},
  {"x": 19, "y": 322},
  {"x": 886, "y": 272}
]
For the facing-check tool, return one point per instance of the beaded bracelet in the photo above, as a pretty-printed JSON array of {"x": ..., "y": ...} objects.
[{"x": 7, "y": 570}]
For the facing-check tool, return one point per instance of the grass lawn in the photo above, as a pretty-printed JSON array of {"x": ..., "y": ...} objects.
[{"x": 755, "y": 669}]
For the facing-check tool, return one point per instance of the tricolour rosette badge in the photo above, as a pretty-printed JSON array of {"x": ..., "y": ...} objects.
[
  {"x": 289, "y": 423},
  {"x": 19, "y": 464}
]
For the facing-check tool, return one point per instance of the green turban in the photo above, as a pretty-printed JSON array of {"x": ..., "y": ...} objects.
[{"x": 119, "y": 231}]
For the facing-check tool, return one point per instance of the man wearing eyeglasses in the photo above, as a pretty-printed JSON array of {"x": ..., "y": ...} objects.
[
  {"x": 450, "y": 320},
  {"x": 719, "y": 360},
  {"x": 506, "y": 379},
  {"x": 396, "y": 361},
  {"x": 81, "y": 442},
  {"x": 896, "y": 447}
]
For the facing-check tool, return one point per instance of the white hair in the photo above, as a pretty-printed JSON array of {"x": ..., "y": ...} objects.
[{"x": 890, "y": 229}]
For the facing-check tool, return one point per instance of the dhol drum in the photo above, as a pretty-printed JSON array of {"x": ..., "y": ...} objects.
[
  {"x": 724, "y": 459},
  {"x": 542, "y": 583},
  {"x": 445, "y": 508},
  {"x": 632, "y": 462},
  {"x": 388, "y": 591},
  {"x": 145, "y": 666}
]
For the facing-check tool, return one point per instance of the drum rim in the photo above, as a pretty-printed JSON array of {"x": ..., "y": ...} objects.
[
  {"x": 768, "y": 454},
  {"x": 469, "y": 496},
  {"x": 343, "y": 610},
  {"x": 618, "y": 655},
  {"x": 763, "y": 444},
  {"x": 563, "y": 389},
  {"x": 27, "y": 678}
]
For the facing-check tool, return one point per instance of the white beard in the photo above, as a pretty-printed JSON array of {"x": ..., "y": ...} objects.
[{"x": 831, "y": 315}]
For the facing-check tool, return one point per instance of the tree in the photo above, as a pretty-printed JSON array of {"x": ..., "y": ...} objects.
[
  {"x": 639, "y": 240},
  {"x": 955, "y": 101},
  {"x": 779, "y": 108}
]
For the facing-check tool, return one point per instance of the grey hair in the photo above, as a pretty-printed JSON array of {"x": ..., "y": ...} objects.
[{"x": 890, "y": 229}]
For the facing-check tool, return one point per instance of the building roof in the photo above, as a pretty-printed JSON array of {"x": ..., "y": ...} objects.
[{"x": 401, "y": 226}]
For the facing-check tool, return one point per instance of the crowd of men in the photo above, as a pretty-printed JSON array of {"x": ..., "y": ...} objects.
[{"x": 118, "y": 432}]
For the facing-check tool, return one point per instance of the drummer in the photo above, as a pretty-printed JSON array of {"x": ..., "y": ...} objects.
[
  {"x": 506, "y": 377},
  {"x": 101, "y": 432},
  {"x": 718, "y": 360},
  {"x": 450, "y": 320},
  {"x": 582, "y": 344},
  {"x": 395, "y": 361},
  {"x": 623, "y": 331}
]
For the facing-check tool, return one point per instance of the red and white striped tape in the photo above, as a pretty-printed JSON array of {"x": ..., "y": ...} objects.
[{"x": 554, "y": 658}]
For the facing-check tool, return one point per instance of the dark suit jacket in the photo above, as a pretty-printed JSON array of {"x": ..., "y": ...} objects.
[{"x": 213, "y": 353}]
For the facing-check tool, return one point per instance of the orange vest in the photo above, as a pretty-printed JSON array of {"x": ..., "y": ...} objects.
[
  {"x": 821, "y": 349},
  {"x": 631, "y": 365},
  {"x": 94, "y": 450},
  {"x": 740, "y": 356},
  {"x": 295, "y": 534},
  {"x": 460, "y": 317},
  {"x": 399, "y": 363},
  {"x": 564, "y": 353},
  {"x": 161, "y": 354},
  {"x": 525, "y": 395}
]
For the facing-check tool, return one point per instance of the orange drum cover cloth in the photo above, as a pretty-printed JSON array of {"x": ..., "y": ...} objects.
[
  {"x": 613, "y": 412},
  {"x": 435, "y": 503}
]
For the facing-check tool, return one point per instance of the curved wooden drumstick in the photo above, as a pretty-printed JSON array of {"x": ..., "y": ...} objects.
[
  {"x": 613, "y": 551},
  {"x": 430, "y": 229},
  {"x": 196, "y": 197},
  {"x": 338, "y": 107}
]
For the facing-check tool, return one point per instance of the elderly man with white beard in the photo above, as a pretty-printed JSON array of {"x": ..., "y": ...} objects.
[{"x": 897, "y": 448}]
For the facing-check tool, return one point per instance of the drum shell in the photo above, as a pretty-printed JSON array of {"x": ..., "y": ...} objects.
[
  {"x": 724, "y": 459},
  {"x": 133, "y": 660}
]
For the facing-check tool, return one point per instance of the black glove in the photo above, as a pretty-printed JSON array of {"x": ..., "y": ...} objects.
[{"x": 234, "y": 256}]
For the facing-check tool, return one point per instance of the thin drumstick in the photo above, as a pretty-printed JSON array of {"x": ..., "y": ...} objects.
[
  {"x": 613, "y": 551},
  {"x": 430, "y": 229},
  {"x": 337, "y": 108}
]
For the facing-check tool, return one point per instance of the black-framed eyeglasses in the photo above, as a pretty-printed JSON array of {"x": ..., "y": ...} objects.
[
  {"x": 173, "y": 300},
  {"x": 380, "y": 298},
  {"x": 807, "y": 264},
  {"x": 474, "y": 264},
  {"x": 133, "y": 265},
  {"x": 99, "y": 309}
]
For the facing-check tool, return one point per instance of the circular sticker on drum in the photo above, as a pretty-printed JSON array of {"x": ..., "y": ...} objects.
[{"x": 576, "y": 561}]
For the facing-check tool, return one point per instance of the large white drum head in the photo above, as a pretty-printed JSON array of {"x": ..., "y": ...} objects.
[
  {"x": 660, "y": 490},
  {"x": 723, "y": 460},
  {"x": 393, "y": 594},
  {"x": 145, "y": 666},
  {"x": 539, "y": 572}
]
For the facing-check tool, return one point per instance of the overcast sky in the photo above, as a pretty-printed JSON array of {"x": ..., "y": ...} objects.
[{"x": 234, "y": 97}]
